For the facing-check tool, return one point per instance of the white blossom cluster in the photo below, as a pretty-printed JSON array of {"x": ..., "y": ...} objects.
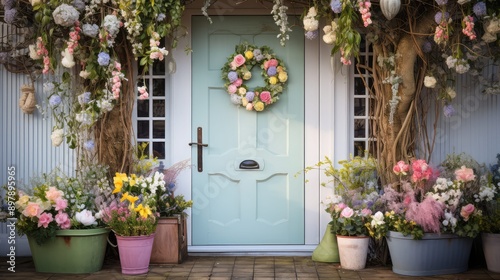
[
  {"x": 281, "y": 19},
  {"x": 460, "y": 65},
  {"x": 112, "y": 25},
  {"x": 152, "y": 184},
  {"x": 487, "y": 190},
  {"x": 446, "y": 192}
]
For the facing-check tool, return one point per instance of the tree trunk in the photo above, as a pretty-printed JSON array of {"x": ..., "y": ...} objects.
[{"x": 396, "y": 140}]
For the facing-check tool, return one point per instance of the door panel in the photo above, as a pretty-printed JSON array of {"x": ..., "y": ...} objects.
[{"x": 233, "y": 205}]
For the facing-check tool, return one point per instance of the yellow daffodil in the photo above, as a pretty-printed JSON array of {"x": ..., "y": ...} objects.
[
  {"x": 128, "y": 197},
  {"x": 118, "y": 181},
  {"x": 133, "y": 179},
  {"x": 144, "y": 212}
]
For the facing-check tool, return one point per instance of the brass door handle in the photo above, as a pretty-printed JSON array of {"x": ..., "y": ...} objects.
[{"x": 200, "y": 145}]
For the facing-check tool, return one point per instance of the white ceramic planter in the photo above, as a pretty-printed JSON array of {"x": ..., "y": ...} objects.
[
  {"x": 353, "y": 251},
  {"x": 491, "y": 249}
]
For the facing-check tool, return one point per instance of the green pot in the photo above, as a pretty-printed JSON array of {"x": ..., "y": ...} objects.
[
  {"x": 328, "y": 249},
  {"x": 71, "y": 251}
]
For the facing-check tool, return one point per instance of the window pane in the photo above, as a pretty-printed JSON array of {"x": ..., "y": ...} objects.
[
  {"x": 159, "y": 129},
  {"x": 159, "y": 150},
  {"x": 159, "y": 67},
  {"x": 359, "y": 106},
  {"x": 359, "y": 86},
  {"x": 359, "y": 128},
  {"x": 142, "y": 129},
  {"x": 158, "y": 87},
  {"x": 362, "y": 61},
  {"x": 159, "y": 108},
  {"x": 359, "y": 148},
  {"x": 143, "y": 108}
]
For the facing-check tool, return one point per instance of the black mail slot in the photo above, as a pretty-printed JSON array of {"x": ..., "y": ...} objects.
[{"x": 249, "y": 164}]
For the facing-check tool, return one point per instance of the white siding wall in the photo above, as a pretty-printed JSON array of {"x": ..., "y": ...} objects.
[
  {"x": 25, "y": 139},
  {"x": 475, "y": 127}
]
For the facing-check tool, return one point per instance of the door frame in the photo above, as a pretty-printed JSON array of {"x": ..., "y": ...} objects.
[{"x": 320, "y": 85}]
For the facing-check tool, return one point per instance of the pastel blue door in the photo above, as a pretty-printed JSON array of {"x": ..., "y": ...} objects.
[{"x": 232, "y": 205}]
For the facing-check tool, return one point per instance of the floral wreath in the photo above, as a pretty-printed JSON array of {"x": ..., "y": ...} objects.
[{"x": 238, "y": 69}]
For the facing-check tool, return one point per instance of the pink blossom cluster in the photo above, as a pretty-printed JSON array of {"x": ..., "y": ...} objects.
[
  {"x": 41, "y": 50},
  {"x": 421, "y": 170},
  {"x": 55, "y": 197},
  {"x": 364, "y": 9},
  {"x": 238, "y": 60},
  {"x": 117, "y": 80},
  {"x": 465, "y": 174},
  {"x": 344, "y": 60},
  {"x": 468, "y": 29},
  {"x": 441, "y": 33},
  {"x": 401, "y": 168},
  {"x": 74, "y": 36},
  {"x": 143, "y": 91}
]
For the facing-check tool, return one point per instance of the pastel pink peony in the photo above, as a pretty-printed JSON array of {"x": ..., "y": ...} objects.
[
  {"x": 61, "y": 204},
  {"x": 465, "y": 174},
  {"x": 339, "y": 207},
  {"x": 366, "y": 212},
  {"x": 401, "y": 168},
  {"x": 347, "y": 212},
  {"x": 32, "y": 210},
  {"x": 273, "y": 62},
  {"x": 53, "y": 194},
  {"x": 239, "y": 60},
  {"x": 265, "y": 96},
  {"x": 44, "y": 220},
  {"x": 62, "y": 220},
  {"x": 466, "y": 211}
]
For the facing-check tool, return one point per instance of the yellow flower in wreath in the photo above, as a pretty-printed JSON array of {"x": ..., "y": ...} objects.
[
  {"x": 273, "y": 80},
  {"x": 248, "y": 54},
  {"x": 258, "y": 106},
  {"x": 282, "y": 76}
]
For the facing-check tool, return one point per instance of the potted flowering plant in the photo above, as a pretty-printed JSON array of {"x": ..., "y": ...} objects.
[
  {"x": 491, "y": 219},
  {"x": 350, "y": 207},
  {"x": 170, "y": 244},
  {"x": 425, "y": 206},
  {"x": 133, "y": 218},
  {"x": 56, "y": 208}
]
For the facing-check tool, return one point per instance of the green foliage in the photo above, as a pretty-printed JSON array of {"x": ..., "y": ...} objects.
[
  {"x": 393, "y": 222},
  {"x": 170, "y": 205},
  {"x": 356, "y": 173}
]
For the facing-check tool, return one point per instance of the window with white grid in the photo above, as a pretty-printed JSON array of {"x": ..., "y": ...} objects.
[
  {"x": 151, "y": 121},
  {"x": 362, "y": 103}
]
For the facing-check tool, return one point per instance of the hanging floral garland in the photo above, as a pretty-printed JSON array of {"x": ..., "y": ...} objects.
[{"x": 238, "y": 69}]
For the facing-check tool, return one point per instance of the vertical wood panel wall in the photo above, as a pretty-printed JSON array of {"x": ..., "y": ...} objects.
[
  {"x": 475, "y": 127},
  {"x": 25, "y": 139}
]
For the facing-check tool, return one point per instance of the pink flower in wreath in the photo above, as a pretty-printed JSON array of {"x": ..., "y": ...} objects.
[
  {"x": 232, "y": 88},
  {"x": 44, "y": 220},
  {"x": 466, "y": 211},
  {"x": 239, "y": 60},
  {"x": 62, "y": 220},
  {"x": 270, "y": 62},
  {"x": 347, "y": 212},
  {"x": 265, "y": 96},
  {"x": 465, "y": 174},
  {"x": 238, "y": 82}
]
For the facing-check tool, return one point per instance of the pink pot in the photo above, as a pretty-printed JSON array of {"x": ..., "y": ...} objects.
[{"x": 135, "y": 253}]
